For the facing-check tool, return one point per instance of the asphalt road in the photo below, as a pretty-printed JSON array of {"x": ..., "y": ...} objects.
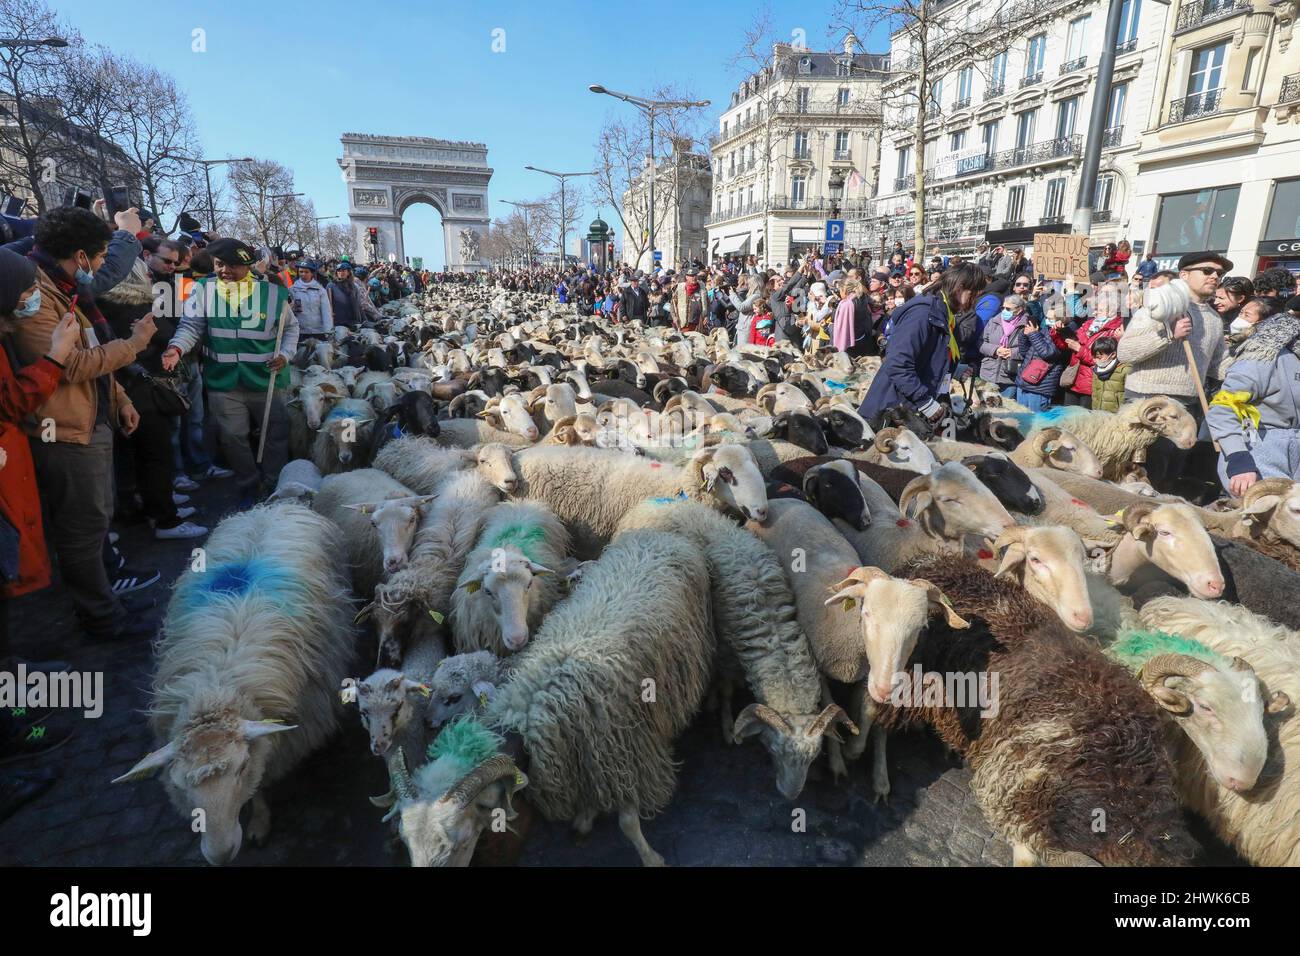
[{"x": 726, "y": 811}]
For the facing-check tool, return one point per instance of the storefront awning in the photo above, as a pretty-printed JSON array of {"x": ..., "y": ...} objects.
[
  {"x": 732, "y": 244},
  {"x": 805, "y": 234}
]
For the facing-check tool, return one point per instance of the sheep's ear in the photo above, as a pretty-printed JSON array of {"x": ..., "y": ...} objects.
[
  {"x": 483, "y": 690},
  {"x": 472, "y": 585},
  {"x": 1014, "y": 555},
  {"x": 348, "y": 690},
  {"x": 918, "y": 503},
  {"x": 847, "y": 597},
  {"x": 539, "y": 569},
  {"x": 260, "y": 728},
  {"x": 1261, "y": 506},
  {"x": 151, "y": 763},
  {"x": 1278, "y": 703},
  {"x": 294, "y": 401},
  {"x": 415, "y": 687}
]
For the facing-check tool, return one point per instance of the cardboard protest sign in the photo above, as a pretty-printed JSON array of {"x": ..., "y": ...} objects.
[{"x": 1061, "y": 255}]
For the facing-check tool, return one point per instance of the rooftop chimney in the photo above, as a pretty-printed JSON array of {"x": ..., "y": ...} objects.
[{"x": 850, "y": 41}]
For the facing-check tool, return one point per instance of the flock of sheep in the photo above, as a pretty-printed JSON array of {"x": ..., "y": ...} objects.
[{"x": 530, "y": 547}]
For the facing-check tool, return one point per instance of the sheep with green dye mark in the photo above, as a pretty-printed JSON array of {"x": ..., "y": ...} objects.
[{"x": 509, "y": 582}]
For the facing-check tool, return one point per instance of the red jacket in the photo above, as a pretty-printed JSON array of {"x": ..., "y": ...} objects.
[
  {"x": 760, "y": 338},
  {"x": 1083, "y": 358},
  {"x": 20, "y": 501}
]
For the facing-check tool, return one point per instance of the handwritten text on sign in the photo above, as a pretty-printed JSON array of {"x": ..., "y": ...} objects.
[{"x": 1061, "y": 256}]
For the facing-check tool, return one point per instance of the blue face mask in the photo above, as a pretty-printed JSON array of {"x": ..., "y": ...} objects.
[
  {"x": 29, "y": 308},
  {"x": 1007, "y": 314},
  {"x": 85, "y": 276}
]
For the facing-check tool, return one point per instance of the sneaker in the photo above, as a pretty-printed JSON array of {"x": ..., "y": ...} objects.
[
  {"x": 137, "y": 603},
  {"x": 128, "y": 581},
  {"x": 34, "y": 740},
  {"x": 183, "y": 530},
  {"x": 113, "y": 537},
  {"x": 186, "y": 512},
  {"x": 216, "y": 471},
  {"x": 179, "y": 499},
  {"x": 185, "y": 483},
  {"x": 17, "y": 789}
]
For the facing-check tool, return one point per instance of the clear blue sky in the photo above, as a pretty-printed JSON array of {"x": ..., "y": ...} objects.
[{"x": 283, "y": 80}]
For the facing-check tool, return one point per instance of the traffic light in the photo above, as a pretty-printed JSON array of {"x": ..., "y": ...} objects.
[{"x": 374, "y": 234}]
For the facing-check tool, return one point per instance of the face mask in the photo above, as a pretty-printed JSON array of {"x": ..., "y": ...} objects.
[
  {"x": 29, "y": 308},
  {"x": 1238, "y": 326},
  {"x": 1007, "y": 314},
  {"x": 85, "y": 276}
]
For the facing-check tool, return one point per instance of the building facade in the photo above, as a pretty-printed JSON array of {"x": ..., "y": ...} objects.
[
  {"x": 682, "y": 187},
  {"x": 799, "y": 140},
  {"x": 1219, "y": 163},
  {"x": 1007, "y": 112}
]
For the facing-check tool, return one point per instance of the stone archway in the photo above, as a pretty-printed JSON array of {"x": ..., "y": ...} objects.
[{"x": 387, "y": 174}]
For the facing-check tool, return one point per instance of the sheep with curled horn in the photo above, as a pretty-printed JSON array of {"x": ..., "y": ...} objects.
[{"x": 899, "y": 448}]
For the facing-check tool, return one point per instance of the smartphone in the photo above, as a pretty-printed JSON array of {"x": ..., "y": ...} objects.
[
  {"x": 14, "y": 206},
  {"x": 118, "y": 198},
  {"x": 1041, "y": 278}
]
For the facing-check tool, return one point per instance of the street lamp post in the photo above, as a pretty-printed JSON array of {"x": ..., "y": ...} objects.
[
  {"x": 273, "y": 199},
  {"x": 528, "y": 240},
  {"x": 1087, "y": 195},
  {"x": 564, "y": 224},
  {"x": 318, "y": 220},
  {"x": 835, "y": 186},
  {"x": 650, "y": 107}
]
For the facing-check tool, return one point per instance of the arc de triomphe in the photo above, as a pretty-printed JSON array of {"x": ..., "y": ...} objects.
[{"x": 387, "y": 174}]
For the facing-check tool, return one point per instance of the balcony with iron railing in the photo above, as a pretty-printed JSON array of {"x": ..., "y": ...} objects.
[
  {"x": 735, "y": 212},
  {"x": 1031, "y": 79},
  {"x": 1195, "y": 106},
  {"x": 1067, "y": 147},
  {"x": 941, "y": 225},
  {"x": 1112, "y": 137},
  {"x": 802, "y": 154},
  {"x": 1074, "y": 66},
  {"x": 1013, "y": 223},
  {"x": 1290, "y": 92},
  {"x": 994, "y": 90},
  {"x": 843, "y": 155},
  {"x": 1051, "y": 220},
  {"x": 1197, "y": 13},
  {"x": 1101, "y": 216},
  {"x": 1128, "y": 46},
  {"x": 961, "y": 104}
]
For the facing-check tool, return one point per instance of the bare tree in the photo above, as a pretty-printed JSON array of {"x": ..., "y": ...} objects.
[
  {"x": 30, "y": 82},
  {"x": 337, "y": 241},
  {"x": 252, "y": 185},
  {"x": 934, "y": 40},
  {"x": 546, "y": 216}
]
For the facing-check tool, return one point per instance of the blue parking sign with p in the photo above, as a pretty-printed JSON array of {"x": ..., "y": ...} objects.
[{"x": 834, "y": 230}]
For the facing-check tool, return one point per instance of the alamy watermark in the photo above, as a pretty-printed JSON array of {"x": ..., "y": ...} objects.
[
  {"x": 922, "y": 688},
  {"x": 75, "y": 690}
]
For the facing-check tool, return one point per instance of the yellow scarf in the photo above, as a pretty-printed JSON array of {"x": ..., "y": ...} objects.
[
  {"x": 1237, "y": 401},
  {"x": 954, "y": 352},
  {"x": 236, "y": 293}
]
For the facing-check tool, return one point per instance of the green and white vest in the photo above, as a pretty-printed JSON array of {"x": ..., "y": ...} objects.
[{"x": 239, "y": 340}]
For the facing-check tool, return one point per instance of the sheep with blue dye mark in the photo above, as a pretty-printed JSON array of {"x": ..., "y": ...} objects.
[
  {"x": 248, "y": 666},
  {"x": 1115, "y": 438},
  {"x": 509, "y": 582},
  {"x": 343, "y": 434}
]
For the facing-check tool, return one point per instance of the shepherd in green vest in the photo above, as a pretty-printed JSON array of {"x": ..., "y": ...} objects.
[{"x": 236, "y": 317}]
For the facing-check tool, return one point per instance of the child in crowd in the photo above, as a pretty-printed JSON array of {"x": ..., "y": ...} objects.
[{"x": 1108, "y": 375}]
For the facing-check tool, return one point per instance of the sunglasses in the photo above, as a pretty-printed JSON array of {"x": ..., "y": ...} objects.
[{"x": 1206, "y": 270}]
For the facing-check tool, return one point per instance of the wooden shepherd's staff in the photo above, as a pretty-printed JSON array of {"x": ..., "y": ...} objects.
[{"x": 270, "y": 386}]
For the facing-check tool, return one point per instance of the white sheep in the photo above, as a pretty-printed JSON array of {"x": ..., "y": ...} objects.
[
  {"x": 592, "y": 489},
  {"x": 1263, "y": 824},
  {"x": 379, "y": 518},
  {"x": 299, "y": 478},
  {"x": 464, "y": 684},
  {"x": 252, "y": 651},
  {"x": 898, "y": 448},
  {"x": 755, "y": 619},
  {"x": 469, "y": 432},
  {"x": 509, "y": 582},
  {"x": 422, "y": 465}
]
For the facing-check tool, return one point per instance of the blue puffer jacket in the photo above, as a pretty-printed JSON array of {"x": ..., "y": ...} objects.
[
  {"x": 916, "y": 360},
  {"x": 1040, "y": 345}
]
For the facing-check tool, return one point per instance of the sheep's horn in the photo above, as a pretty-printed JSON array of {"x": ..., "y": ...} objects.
[
  {"x": 884, "y": 440},
  {"x": 826, "y": 721},
  {"x": 913, "y": 488},
  {"x": 403, "y": 788},
  {"x": 1154, "y": 672},
  {"x": 763, "y": 714},
  {"x": 498, "y": 767},
  {"x": 1044, "y": 436},
  {"x": 1067, "y": 858}
]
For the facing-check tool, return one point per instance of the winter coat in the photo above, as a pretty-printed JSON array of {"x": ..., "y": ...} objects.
[
  {"x": 315, "y": 316},
  {"x": 1039, "y": 344},
  {"x": 21, "y": 393},
  {"x": 1083, "y": 357},
  {"x": 1266, "y": 377},
  {"x": 1001, "y": 371},
  {"x": 74, "y": 406},
  {"x": 918, "y": 359},
  {"x": 783, "y": 319},
  {"x": 1108, "y": 392},
  {"x": 350, "y": 306}
]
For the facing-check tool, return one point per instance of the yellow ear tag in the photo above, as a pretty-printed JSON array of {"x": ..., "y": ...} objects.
[
  {"x": 437, "y": 618},
  {"x": 482, "y": 699},
  {"x": 472, "y": 586},
  {"x": 519, "y": 779},
  {"x": 424, "y": 689},
  {"x": 847, "y": 604}
]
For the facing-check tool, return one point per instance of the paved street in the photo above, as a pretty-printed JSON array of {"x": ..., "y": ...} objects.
[{"x": 726, "y": 811}]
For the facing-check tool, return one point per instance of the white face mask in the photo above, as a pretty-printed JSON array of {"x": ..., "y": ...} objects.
[{"x": 1240, "y": 325}]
